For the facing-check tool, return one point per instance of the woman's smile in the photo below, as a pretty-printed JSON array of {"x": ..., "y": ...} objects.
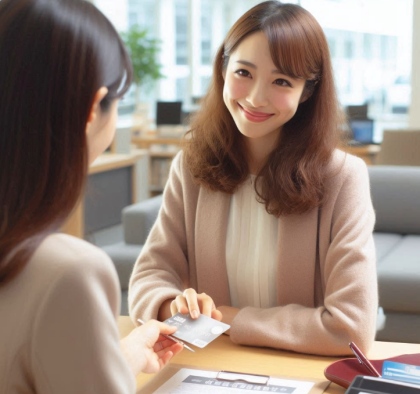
[{"x": 254, "y": 116}]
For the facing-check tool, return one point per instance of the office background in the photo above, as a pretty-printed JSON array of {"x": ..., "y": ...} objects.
[
  {"x": 375, "y": 47},
  {"x": 372, "y": 43}
]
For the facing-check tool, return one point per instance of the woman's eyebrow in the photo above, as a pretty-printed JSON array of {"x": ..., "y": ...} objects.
[
  {"x": 246, "y": 63},
  {"x": 252, "y": 65}
]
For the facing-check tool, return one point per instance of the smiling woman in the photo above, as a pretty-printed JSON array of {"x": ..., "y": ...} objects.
[
  {"x": 246, "y": 69},
  {"x": 265, "y": 224},
  {"x": 260, "y": 98}
]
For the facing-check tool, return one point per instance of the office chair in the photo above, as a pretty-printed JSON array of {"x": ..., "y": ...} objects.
[{"x": 400, "y": 147}]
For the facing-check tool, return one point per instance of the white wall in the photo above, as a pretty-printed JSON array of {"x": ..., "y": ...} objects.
[
  {"x": 414, "y": 112},
  {"x": 115, "y": 10}
]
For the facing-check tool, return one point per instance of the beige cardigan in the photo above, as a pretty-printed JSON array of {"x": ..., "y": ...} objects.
[
  {"x": 58, "y": 331},
  {"x": 321, "y": 307}
]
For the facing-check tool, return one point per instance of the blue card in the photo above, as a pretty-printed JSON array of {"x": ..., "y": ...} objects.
[{"x": 402, "y": 372}]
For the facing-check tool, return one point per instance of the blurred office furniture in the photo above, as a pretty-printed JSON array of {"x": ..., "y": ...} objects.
[
  {"x": 395, "y": 193},
  {"x": 357, "y": 111},
  {"x": 361, "y": 131},
  {"x": 161, "y": 150},
  {"x": 367, "y": 152},
  {"x": 137, "y": 220},
  {"x": 163, "y": 142},
  {"x": 359, "y": 126},
  {"x": 358, "y": 132},
  {"x": 114, "y": 181},
  {"x": 400, "y": 147}
]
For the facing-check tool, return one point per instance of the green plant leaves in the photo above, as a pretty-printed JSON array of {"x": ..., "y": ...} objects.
[{"x": 144, "y": 52}]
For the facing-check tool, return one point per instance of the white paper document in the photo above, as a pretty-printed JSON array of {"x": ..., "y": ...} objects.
[{"x": 191, "y": 381}]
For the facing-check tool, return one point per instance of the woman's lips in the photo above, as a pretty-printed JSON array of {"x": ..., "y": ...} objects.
[{"x": 253, "y": 116}]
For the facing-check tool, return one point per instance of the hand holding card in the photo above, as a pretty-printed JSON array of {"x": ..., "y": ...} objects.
[{"x": 199, "y": 332}]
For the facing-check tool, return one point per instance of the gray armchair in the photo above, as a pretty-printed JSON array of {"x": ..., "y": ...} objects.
[{"x": 137, "y": 220}]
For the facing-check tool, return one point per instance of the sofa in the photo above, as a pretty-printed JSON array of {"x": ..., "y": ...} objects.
[
  {"x": 396, "y": 198},
  {"x": 395, "y": 194},
  {"x": 137, "y": 220}
]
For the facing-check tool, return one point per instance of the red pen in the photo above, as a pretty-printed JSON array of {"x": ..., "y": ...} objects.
[{"x": 363, "y": 360}]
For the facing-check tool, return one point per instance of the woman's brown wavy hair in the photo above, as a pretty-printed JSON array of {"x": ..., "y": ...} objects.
[
  {"x": 54, "y": 56},
  {"x": 292, "y": 180}
]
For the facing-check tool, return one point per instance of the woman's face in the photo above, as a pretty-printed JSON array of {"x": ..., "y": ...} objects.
[{"x": 259, "y": 97}]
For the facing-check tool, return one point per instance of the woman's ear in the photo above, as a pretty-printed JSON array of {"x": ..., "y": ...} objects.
[
  {"x": 305, "y": 95},
  {"x": 99, "y": 95},
  {"x": 308, "y": 90}
]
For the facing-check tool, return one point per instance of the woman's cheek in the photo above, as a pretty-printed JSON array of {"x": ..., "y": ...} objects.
[
  {"x": 286, "y": 101},
  {"x": 235, "y": 89}
]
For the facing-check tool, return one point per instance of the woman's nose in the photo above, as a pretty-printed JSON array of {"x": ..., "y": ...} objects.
[{"x": 257, "y": 96}]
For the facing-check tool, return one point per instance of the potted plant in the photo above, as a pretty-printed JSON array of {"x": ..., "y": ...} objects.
[{"x": 143, "y": 50}]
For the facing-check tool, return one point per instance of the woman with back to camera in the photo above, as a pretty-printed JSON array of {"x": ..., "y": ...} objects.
[
  {"x": 265, "y": 224},
  {"x": 63, "y": 68}
]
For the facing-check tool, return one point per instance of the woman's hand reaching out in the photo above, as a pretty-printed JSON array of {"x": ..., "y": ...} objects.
[
  {"x": 195, "y": 304},
  {"x": 148, "y": 351}
]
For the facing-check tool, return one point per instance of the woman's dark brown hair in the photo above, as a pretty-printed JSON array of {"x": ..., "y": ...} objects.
[
  {"x": 293, "y": 178},
  {"x": 54, "y": 56}
]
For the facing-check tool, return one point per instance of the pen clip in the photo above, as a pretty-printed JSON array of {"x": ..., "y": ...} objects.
[
  {"x": 363, "y": 360},
  {"x": 231, "y": 376}
]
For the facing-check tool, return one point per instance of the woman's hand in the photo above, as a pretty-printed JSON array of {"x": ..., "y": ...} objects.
[
  {"x": 195, "y": 304},
  {"x": 148, "y": 351}
]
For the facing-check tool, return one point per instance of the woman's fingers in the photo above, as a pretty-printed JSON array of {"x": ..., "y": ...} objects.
[
  {"x": 179, "y": 304},
  {"x": 191, "y": 297},
  {"x": 194, "y": 304}
]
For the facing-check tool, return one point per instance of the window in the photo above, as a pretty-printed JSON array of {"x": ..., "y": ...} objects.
[{"x": 370, "y": 43}]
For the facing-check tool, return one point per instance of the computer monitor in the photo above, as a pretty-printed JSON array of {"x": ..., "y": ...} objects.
[
  {"x": 361, "y": 131},
  {"x": 357, "y": 111},
  {"x": 168, "y": 113}
]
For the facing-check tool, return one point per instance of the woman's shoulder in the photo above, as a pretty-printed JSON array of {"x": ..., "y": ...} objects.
[
  {"x": 64, "y": 265},
  {"x": 178, "y": 161},
  {"x": 61, "y": 254},
  {"x": 345, "y": 168},
  {"x": 72, "y": 248},
  {"x": 343, "y": 163}
]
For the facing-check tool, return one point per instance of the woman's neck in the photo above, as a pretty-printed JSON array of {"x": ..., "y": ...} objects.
[{"x": 258, "y": 151}]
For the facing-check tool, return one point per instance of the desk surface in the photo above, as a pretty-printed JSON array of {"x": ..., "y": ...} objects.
[
  {"x": 223, "y": 354},
  {"x": 113, "y": 161},
  {"x": 366, "y": 152}
]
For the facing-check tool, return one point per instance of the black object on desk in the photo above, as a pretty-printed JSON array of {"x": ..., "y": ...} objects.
[
  {"x": 371, "y": 385},
  {"x": 168, "y": 113}
]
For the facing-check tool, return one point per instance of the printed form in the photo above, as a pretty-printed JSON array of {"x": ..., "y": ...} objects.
[{"x": 191, "y": 381}]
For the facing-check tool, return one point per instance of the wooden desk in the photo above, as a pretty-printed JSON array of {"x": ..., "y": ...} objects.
[
  {"x": 147, "y": 140},
  {"x": 109, "y": 162},
  {"x": 366, "y": 152},
  {"x": 162, "y": 150},
  {"x": 223, "y": 354}
]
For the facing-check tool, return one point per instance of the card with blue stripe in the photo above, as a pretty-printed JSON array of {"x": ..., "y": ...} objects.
[{"x": 402, "y": 372}]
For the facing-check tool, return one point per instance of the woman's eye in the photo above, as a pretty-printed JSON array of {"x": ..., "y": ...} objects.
[
  {"x": 282, "y": 82},
  {"x": 243, "y": 73}
]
